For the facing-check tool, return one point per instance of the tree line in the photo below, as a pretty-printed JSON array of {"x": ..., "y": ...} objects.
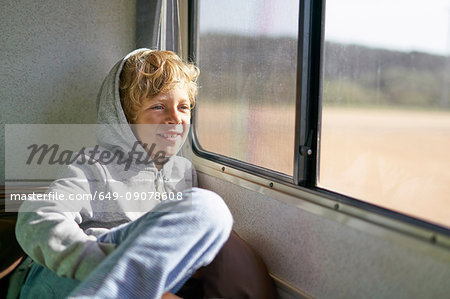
[{"x": 263, "y": 70}]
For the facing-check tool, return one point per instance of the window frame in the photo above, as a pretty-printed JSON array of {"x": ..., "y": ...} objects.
[{"x": 307, "y": 119}]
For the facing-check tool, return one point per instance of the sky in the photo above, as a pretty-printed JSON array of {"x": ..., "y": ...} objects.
[
  {"x": 270, "y": 17},
  {"x": 405, "y": 25},
  {"x": 421, "y": 25}
]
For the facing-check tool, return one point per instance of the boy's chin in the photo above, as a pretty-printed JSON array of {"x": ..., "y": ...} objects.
[
  {"x": 168, "y": 152},
  {"x": 163, "y": 153}
]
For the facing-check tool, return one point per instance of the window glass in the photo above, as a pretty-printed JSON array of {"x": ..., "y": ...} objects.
[
  {"x": 247, "y": 54},
  {"x": 385, "y": 134}
]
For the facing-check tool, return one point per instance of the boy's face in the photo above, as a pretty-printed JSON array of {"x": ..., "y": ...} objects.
[{"x": 164, "y": 120}]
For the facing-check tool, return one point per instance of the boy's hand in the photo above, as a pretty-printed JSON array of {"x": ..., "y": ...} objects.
[{"x": 168, "y": 295}]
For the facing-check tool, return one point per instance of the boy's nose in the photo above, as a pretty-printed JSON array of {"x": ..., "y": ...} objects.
[{"x": 174, "y": 117}]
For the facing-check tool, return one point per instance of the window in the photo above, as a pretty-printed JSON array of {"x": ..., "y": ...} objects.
[
  {"x": 247, "y": 54},
  {"x": 293, "y": 88},
  {"x": 385, "y": 135}
]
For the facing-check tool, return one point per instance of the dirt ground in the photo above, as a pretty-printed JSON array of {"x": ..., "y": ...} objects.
[{"x": 392, "y": 158}]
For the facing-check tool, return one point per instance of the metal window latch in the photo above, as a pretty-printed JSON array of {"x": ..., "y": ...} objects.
[{"x": 306, "y": 149}]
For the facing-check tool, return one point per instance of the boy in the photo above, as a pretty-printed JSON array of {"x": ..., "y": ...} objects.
[{"x": 118, "y": 248}]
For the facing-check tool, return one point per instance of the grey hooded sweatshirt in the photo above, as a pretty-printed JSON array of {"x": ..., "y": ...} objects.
[{"x": 62, "y": 235}]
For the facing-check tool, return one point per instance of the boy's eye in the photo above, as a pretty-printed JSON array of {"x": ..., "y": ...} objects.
[{"x": 159, "y": 107}]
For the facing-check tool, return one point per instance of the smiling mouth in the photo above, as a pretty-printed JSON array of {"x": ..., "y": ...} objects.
[{"x": 171, "y": 137}]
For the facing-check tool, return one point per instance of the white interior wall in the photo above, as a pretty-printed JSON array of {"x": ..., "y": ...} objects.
[
  {"x": 326, "y": 259},
  {"x": 54, "y": 56}
]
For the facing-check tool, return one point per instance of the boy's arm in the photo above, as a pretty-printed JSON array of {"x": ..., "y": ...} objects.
[{"x": 49, "y": 231}]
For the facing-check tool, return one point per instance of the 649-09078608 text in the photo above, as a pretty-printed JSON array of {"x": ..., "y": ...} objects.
[{"x": 102, "y": 196}]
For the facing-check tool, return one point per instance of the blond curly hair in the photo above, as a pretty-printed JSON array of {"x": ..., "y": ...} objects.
[{"x": 151, "y": 72}]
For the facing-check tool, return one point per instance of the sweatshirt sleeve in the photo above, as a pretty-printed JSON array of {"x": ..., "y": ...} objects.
[{"x": 49, "y": 231}]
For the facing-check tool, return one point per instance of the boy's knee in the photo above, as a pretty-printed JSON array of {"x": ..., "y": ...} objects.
[{"x": 209, "y": 207}]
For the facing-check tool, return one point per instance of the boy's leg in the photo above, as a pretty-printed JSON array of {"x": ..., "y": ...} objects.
[{"x": 159, "y": 250}]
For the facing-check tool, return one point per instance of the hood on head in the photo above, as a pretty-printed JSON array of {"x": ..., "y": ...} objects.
[{"x": 113, "y": 131}]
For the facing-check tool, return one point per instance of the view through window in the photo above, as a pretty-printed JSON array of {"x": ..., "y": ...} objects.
[
  {"x": 385, "y": 134},
  {"x": 247, "y": 55}
]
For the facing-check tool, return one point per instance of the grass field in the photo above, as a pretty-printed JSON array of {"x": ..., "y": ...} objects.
[{"x": 392, "y": 158}]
